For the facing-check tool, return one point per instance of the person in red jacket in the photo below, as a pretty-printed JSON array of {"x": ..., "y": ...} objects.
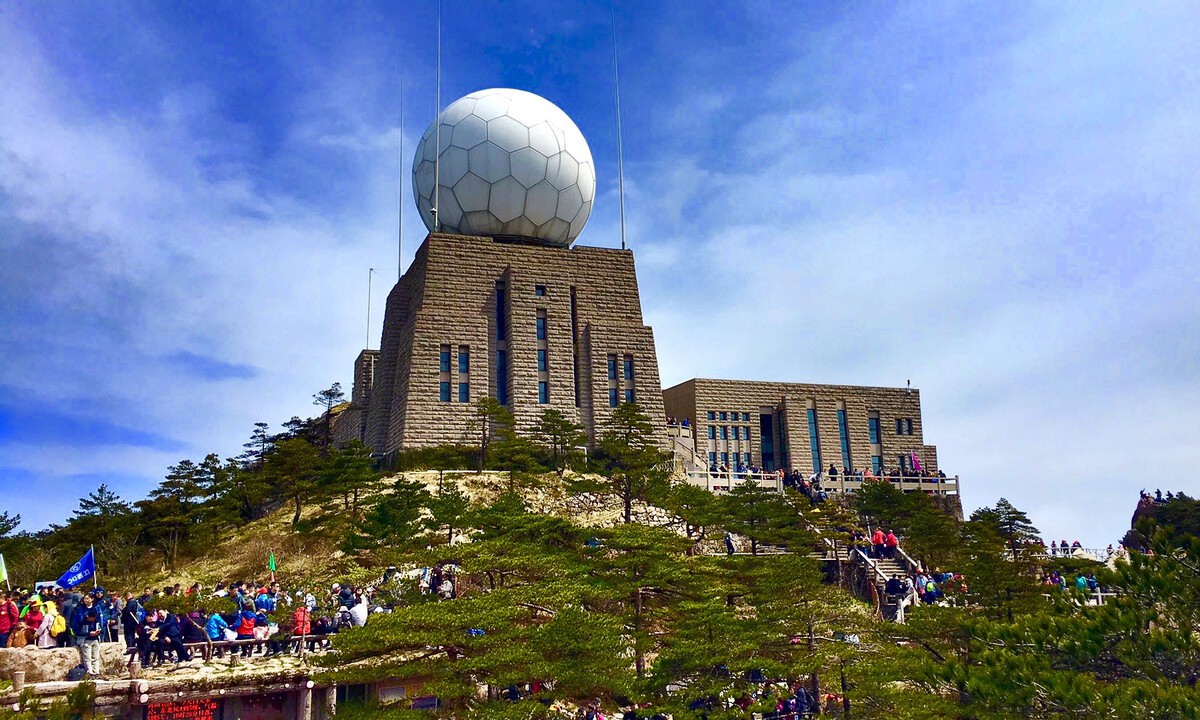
[
  {"x": 892, "y": 542},
  {"x": 9, "y": 617},
  {"x": 878, "y": 541}
]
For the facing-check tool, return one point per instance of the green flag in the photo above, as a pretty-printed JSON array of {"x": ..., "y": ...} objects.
[
  {"x": 271, "y": 562},
  {"x": 3, "y": 570}
]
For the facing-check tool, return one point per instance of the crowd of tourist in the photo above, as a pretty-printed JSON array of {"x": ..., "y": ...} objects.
[{"x": 263, "y": 617}]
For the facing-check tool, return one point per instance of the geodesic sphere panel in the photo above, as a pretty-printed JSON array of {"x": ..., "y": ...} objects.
[{"x": 511, "y": 163}]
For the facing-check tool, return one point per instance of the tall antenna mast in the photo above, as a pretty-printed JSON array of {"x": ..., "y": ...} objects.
[
  {"x": 437, "y": 133},
  {"x": 400, "y": 183},
  {"x": 620, "y": 150},
  {"x": 370, "y": 272}
]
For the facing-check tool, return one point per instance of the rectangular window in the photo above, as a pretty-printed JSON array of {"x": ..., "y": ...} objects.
[
  {"x": 541, "y": 325},
  {"x": 613, "y": 397},
  {"x": 908, "y": 426},
  {"x": 766, "y": 431},
  {"x": 543, "y": 392},
  {"x": 464, "y": 359},
  {"x": 745, "y": 417},
  {"x": 844, "y": 436},
  {"x": 501, "y": 315},
  {"x": 877, "y": 464},
  {"x": 541, "y": 360},
  {"x": 724, "y": 432},
  {"x": 725, "y": 459},
  {"x": 629, "y": 367},
  {"x": 444, "y": 359},
  {"x": 746, "y": 433},
  {"x": 873, "y": 428},
  {"x": 712, "y": 415},
  {"x": 444, "y": 391},
  {"x": 539, "y": 290},
  {"x": 814, "y": 440},
  {"x": 903, "y": 460},
  {"x": 724, "y": 416},
  {"x": 712, "y": 432},
  {"x": 629, "y": 395},
  {"x": 899, "y": 426},
  {"x": 502, "y": 377},
  {"x": 464, "y": 392},
  {"x": 712, "y": 459},
  {"x": 746, "y": 459},
  {"x": 612, "y": 367}
]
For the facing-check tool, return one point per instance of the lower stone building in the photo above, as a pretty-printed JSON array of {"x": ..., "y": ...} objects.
[
  {"x": 535, "y": 326},
  {"x": 778, "y": 425}
]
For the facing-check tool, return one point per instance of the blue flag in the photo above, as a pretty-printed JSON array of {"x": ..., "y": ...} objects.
[{"x": 80, "y": 571}]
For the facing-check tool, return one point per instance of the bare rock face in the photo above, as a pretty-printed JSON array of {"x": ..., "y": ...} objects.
[{"x": 51, "y": 664}]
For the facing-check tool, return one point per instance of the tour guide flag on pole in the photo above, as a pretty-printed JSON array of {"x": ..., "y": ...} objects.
[
  {"x": 3, "y": 571},
  {"x": 80, "y": 571},
  {"x": 271, "y": 565}
]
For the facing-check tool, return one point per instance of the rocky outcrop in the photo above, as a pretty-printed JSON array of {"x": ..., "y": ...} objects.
[{"x": 50, "y": 664}]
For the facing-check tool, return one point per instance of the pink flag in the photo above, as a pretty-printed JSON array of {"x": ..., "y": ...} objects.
[{"x": 916, "y": 462}]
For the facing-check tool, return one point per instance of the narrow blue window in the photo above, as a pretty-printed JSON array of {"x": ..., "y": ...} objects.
[
  {"x": 501, "y": 318},
  {"x": 724, "y": 416},
  {"x": 612, "y": 367},
  {"x": 543, "y": 392},
  {"x": 444, "y": 359},
  {"x": 814, "y": 440},
  {"x": 844, "y": 436},
  {"x": 444, "y": 391},
  {"x": 877, "y": 464},
  {"x": 628, "y": 367},
  {"x": 724, "y": 432},
  {"x": 873, "y": 429},
  {"x": 712, "y": 432},
  {"x": 629, "y": 395},
  {"x": 712, "y": 415},
  {"x": 539, "y": 290},
  {"x": 541, "y": 327},
  {"x": 464, "y": 360},
  {"x": 746, "y": 459},
  {"x": 712, "y": 459},
  {"x": 725, "y": 459},
  {"x": 541, "y": 360},
  {"x": 613, "y": 397},
  {"x": 464, "y": 392},
  {"x": 502, "y": 377}
]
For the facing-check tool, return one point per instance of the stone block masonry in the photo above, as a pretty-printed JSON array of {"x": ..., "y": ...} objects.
[{"x": 535, "y": 326}]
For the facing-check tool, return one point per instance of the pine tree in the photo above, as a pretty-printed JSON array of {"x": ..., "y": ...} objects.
[
  {"x": 560, "y": 438},
  {"x": 631, "y": 459}
]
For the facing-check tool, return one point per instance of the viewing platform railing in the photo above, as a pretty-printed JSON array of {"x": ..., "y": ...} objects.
[{"x": 717, "y": 481}]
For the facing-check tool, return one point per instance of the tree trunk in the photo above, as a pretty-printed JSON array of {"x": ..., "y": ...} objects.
[
  {"x": 296, "y": 517},
  {"x": 627, "y": 493},
  {"x": 640, "y": 658}
]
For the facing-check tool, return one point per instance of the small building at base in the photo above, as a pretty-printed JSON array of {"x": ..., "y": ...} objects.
[{"x": 781, "y": 425}]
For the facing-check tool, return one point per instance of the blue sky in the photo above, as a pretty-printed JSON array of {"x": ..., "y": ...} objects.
[{"x": 996, "y": 201}]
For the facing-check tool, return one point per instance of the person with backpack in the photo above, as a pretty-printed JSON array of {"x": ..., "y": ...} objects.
[{"x": 53, "y": 624}]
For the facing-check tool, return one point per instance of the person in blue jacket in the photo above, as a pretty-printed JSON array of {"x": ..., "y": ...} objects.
[{"x": 215, "y": 629}]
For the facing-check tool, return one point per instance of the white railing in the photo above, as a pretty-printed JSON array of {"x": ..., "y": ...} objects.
[{"x": 722, "y": 481}]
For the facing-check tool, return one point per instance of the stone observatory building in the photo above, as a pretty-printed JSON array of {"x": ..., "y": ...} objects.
[{"x": 497, "y": 301}]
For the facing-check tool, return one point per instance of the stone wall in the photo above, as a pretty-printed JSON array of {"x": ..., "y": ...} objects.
[
  {"x": 448, "y": 297},
  {"x": 788, "y": 403}
]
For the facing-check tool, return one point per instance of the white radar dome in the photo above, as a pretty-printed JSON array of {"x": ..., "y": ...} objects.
[{"x": 511, "y": 163}]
